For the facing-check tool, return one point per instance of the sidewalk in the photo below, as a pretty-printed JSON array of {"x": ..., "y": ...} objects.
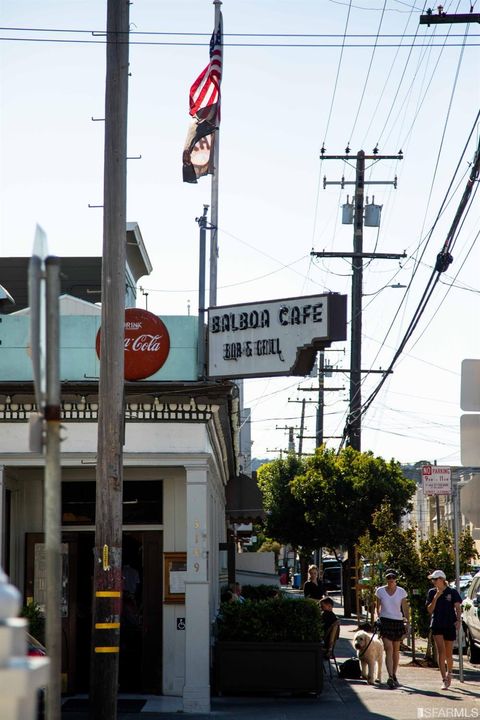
[{"x": 419, "y": 696}]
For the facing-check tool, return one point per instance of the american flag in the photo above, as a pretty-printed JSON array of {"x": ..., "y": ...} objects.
[
  {"x": 205, "y": 111},
  {"x": 205, "y": 91}
]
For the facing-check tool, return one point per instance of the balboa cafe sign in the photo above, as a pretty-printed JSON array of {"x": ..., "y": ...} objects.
[
  {"x": 147, "y": 344},
  {"x": 276, "y": 337}
]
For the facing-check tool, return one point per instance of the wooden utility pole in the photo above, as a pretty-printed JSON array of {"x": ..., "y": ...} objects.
[
  {"x": 356, "y": 316},
  {"x": 353, "y": 431},
  {"x": 321, "y": 400},
  {"x": 355, "y": 411},
  {"x": 319, "y": 436},
  {"x": 108, "y": 528}
]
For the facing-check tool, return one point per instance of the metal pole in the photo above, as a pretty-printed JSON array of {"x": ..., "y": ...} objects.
[
  {"x": 456, "y": 540},
  {"x": 107, "y": 572},
  {"x": 437, "y": 511},
  {"x": 214, "y": 195},
  {"x": 356, "y": 319},
  {"x": 52, "y": 490},
  {"x": 202, "y": 223}
]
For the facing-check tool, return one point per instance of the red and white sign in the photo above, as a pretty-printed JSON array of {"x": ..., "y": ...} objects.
[
  {"x": 147, "y": 344},
  {"x": 437, "y": 480}
]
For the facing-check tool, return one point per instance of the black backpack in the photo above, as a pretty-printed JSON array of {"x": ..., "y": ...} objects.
[{"x": 350, "y": 669}]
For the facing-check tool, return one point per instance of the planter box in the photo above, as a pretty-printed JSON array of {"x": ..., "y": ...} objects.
[{"x": 269, "y": 667}]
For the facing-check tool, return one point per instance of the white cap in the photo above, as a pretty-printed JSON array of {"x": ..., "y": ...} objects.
[{"x": 437, "y": 574}]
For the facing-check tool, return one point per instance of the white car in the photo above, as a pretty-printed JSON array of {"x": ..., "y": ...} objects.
[
  {"x": 471, "y": 619},
  {"x": 465, "y": 582}
]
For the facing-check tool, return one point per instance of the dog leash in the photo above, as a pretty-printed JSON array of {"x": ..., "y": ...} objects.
[{"x": 360, "y": 655}]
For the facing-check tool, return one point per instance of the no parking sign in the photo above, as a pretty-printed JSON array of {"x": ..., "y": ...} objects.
[{"x": 437, "y": 480}]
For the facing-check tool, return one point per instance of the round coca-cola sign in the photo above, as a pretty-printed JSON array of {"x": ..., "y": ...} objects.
[{"x": 147, "y": 344}]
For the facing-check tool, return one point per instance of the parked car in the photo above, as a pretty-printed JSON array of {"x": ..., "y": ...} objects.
[
  {"x": 471, "y": 620},
  {"x": 332, "y": 574},
  {"x": 34, "y": 647},
  {"x": 465, "y": 582}
]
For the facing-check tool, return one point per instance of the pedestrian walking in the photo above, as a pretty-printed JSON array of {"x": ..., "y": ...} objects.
[
  {"x": 393, "y": 613},
  {"x": 444, "y": 604},
  {"x": 314, "y": 587}
]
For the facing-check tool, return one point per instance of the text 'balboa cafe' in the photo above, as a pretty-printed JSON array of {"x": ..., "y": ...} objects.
[{"x": 275, "y": 337}]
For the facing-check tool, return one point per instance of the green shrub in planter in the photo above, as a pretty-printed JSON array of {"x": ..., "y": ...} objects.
[
  {"x": 272, "y": 620},
  {"x": 36, "y": 620}
]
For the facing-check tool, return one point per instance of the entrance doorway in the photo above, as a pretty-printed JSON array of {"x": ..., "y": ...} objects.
[{"x": 140, "y": 666}]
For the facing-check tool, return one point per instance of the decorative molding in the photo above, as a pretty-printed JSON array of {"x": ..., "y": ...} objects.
[{"x": 84, "y": 411}]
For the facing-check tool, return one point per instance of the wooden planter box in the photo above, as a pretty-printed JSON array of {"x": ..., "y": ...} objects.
[{"x": 269, "y": 667}]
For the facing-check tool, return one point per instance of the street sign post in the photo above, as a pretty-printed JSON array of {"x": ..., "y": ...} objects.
[{"x": 437, "y": 480}]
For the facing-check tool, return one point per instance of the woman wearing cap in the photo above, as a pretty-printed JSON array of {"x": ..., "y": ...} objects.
[
  {"x": 444, "y": 605},
  {"x": 393, "y": 612}
]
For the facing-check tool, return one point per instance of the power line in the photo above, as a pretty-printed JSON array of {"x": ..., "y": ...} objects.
[
  {"x": 443, "y": 260},
  {"x": 152, "y": 43},
  {"x": 168, "y": 33}
]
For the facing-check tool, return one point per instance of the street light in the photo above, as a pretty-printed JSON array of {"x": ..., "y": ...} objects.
[{"x": 397, "y": 286}]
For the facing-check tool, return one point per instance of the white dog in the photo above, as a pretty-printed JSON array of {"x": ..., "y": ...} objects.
[{"x": 369, "y": 654}]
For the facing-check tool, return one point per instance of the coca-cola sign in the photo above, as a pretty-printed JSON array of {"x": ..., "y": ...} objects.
[{"x": 147, "y": 344}]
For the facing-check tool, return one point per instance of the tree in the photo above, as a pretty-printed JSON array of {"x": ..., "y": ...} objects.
[
  {"x": 285, "y": 521},
  {"x": 437, "y": 551},
  {"x": 398, "y": 548},
  {"x": 327, "y": 500},
  {"x": 340, "y": 492}
]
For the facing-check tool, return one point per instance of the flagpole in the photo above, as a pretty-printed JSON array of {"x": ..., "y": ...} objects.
[{"x": 214, "y": 197}]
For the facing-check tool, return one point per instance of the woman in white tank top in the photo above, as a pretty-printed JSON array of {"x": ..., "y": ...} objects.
[{"x": 393, "y": 613}]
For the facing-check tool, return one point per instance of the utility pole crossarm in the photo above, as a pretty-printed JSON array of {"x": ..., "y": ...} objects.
[
  {"x": 366, "y": 157},
  {"x": 316, "y": 389},
  {"x": 379, "y": 256},
  {"x": 343, "y": 182},
  {"x": 444, "y": 19}
]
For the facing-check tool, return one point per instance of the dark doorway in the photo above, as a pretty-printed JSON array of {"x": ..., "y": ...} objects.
[{"x": 140, "y": 667}]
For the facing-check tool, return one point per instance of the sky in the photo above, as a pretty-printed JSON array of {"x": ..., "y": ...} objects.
[{"x": 297, "y": 75}]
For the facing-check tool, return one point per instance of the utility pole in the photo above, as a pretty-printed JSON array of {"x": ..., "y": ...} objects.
[
  {"x": 302, "y": 429},
  {"x": 321, "y": 400},
  {"x": 53, "y": 477},
  {"x": 356, "y": 316},
  {"x": 319, "y": 436},
  {"x": 291, "y": 440},
  {"x": 354, "y": 418},
  {"x": 107, "y": 576}
]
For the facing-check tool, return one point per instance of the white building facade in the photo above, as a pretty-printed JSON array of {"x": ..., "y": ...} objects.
[{"x": 180, "y": 434}]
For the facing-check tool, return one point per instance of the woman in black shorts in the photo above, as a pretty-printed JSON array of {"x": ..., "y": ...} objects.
[
  {"x": 444, "y": 604},
  {"x": 393, "y": 613}
]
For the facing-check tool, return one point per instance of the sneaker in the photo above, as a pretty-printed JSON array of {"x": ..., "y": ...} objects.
[
  {"x": 395, "y": 681},
  {"x": 444, "y": 684},
  {"x": 448, "y": 679},
  {"x": 391, "y": 683}
]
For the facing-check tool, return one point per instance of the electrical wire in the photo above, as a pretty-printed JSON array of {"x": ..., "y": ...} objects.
[
  {"x": 368, "y": 71},
  {"x": 152, "y": 43},
  {"x": 430, "y": 285}
]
